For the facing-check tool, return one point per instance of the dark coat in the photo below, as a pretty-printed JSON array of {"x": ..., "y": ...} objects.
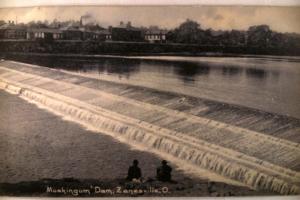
[
  {"x": 134, "y": 172},
  {"x": 163, "y": 173}
]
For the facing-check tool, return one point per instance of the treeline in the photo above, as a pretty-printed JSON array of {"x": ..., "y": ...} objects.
[
  {"x": 187, "y": 38},
  {"x": 190, "y": 32}
]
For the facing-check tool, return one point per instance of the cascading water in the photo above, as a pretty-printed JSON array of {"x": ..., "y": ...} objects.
[{"x": 195, "y": 152}]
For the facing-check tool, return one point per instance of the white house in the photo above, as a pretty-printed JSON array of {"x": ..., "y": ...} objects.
[
  {"x": 155, "y": 36},
  {"x": 44, "y": 33}
]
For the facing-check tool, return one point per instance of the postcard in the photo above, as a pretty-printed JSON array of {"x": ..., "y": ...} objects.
[{"x": 114, "y": 100}]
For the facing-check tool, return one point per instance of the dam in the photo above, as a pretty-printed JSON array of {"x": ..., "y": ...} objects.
[{"x": 256, "y": 148}]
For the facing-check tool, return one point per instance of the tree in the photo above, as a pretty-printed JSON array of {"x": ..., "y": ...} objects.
[
  {"x": 259, "y": 36},
  {"x": 188, "y": 32},
  {"x": 232, "y": 38}
]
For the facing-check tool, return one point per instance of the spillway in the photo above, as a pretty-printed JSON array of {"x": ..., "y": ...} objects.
[{"x": 258, "y": 149}]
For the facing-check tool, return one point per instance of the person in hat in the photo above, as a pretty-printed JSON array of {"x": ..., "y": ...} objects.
[
  {"x": 134, "y": 172},
  {"x": 163, "y": 173}
]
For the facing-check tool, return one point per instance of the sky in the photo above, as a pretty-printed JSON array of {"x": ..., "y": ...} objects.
[
  {"x": 279, "y": 18},
  {"x": 23, "y": 3}
]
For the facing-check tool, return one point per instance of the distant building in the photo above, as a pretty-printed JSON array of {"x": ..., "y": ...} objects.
[
  {"x": 72, "y": 33},
  {"x": 12, "y": 31},
  {"x": 44, "y": 33},
  {"x": 104, "y": 35},
  {"x": 126, "y": 33},
  {"x": 89, "y": 35},
  {"x": 155, "y": 36}
]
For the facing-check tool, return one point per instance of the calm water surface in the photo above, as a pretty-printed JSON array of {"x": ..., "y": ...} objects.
[{"x": 267, "y": 83}]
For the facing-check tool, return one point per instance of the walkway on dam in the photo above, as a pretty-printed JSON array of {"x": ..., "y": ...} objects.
[{"x": 257, "y": 148}]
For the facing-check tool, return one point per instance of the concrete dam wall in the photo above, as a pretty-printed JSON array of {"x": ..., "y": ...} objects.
[{"x": 255, "y": 148}]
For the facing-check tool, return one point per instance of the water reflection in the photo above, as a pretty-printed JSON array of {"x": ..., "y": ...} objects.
[
  {"x": 228, "y": 80},
  {"x": 231, "y": 71},
  {"x": 256, "y": 73},
  {"x": 187, "y": 71},
  {"x": 121, "y": 67}
]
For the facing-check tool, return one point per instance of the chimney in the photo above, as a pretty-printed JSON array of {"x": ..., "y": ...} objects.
[
  {"x": 121, "y": 23},
  {"x": 129, "y": 24},
  {"x": 81, "y": 21}
]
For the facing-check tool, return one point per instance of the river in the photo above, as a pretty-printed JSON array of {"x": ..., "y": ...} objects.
[{"x": 266, "y": 83}]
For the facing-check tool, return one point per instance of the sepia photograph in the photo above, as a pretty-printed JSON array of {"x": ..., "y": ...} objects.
[{"x": 149, "y": 100}]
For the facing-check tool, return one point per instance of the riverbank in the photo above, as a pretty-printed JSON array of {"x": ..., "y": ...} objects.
[
  {"x": 137, "y": 48},
  {"x": 39, "y": 149},
  {"x": 152, "y": 56}
]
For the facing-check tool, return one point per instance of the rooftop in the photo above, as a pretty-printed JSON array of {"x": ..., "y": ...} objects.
[
  {"x": 104, "y": 32},
  {"x": 46, "y": 30},
  {"x": 12, "y": 26},
  {"x": 156, "y": 32}
]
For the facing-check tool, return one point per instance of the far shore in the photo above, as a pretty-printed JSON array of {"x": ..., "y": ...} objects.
[
  {"x": 3, "y": 55},
  {"x": 140, "y": 48}
]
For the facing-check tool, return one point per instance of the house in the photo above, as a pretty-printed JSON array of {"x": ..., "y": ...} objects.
[
  {"x": 44, "y": 33},
  {"x": 88, "y": 34},
  {"x": 155, "y": 36},
  {"x": 72, "y": 33},
  {"x": 104, "y": 35},
  {"x": 126, "y": 33},
  {"x": 12, "y": 31}
]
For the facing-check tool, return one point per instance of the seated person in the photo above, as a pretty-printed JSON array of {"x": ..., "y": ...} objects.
[
  {"x": 134, "y": 172},
  {"x": 163, "y": 173}
]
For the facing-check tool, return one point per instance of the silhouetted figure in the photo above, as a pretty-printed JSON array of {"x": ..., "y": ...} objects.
[
  {"x": 163, "y": 173},
  {"x": 134, "y": 172}
]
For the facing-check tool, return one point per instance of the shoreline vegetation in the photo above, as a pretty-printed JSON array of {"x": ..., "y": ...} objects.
[{"x": 138, "y": 49}]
